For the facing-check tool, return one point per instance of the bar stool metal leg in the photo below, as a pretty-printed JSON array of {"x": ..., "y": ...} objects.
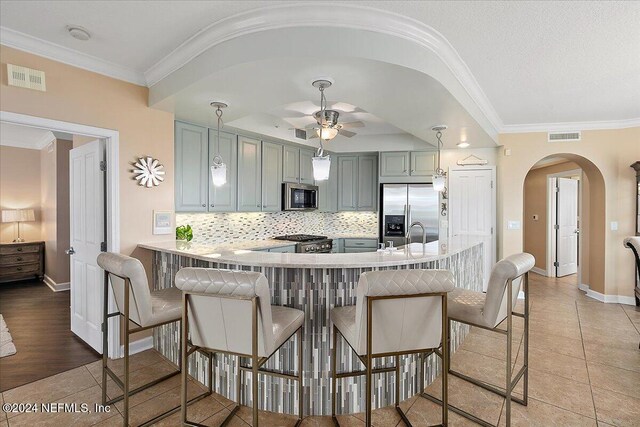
[{"x": 334, "y": 392}]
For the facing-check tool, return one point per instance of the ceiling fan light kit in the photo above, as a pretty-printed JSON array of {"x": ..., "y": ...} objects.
[{"x": 219, "y": 168}]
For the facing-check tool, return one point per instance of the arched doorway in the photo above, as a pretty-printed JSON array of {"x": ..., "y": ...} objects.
[{"x": 540, "y": 226}]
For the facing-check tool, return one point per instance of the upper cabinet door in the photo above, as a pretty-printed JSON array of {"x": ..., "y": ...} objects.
[
  {"x": 249, "y": 174},
  {"x": 328, "y": 190},
  {"x": 423, "y": 163},
  {"x": 347, "y": 183},
  {"x": 368, "y": 183},
  {"x": 394, "y": 163},
  {"x": 271, "y": 177},
  {"x": 291, "y": 164},
  {"x": 192, "y": 167},
  {"x": 306, "y": 166},
  {"x": 224, "y": 198}
]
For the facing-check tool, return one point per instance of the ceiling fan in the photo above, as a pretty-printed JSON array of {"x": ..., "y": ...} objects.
[{"x": 326, "y": 124}]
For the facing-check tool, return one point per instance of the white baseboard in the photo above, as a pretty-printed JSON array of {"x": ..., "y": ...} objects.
[
  {"x": 539, "y": 271},
  {"x": 611, "y": 299},
  {"x": 583, "y": 287},
  {"x": 138, "y": 345},
  {"x": 56, "y": 287}
]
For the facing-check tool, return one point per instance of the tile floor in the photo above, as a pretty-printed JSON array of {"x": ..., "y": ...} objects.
[{"x": 584, "y": 371}]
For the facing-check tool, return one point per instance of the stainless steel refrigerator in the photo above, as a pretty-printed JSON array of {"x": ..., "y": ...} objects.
[{"x": 403, "y": 204}]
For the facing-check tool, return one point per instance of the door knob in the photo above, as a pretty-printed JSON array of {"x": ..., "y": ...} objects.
[
  {"x": 70, "y": 251},
  {"x": 577, "y": 231}
]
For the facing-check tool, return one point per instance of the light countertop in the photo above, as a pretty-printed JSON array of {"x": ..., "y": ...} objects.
[{"x": 244, "y": 253}]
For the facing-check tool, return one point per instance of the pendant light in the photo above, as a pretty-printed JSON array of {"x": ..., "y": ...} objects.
[
  {"x": 321, "y": 163},
  {"x": 440, "y": 177},
  {"x": 218, "y": 168}
]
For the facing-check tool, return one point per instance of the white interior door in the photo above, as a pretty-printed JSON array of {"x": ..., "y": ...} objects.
[
  {"x": 87, "y": 234},
  {"x": 567, "y": 227},
  {"x": 472, "y": 209}
]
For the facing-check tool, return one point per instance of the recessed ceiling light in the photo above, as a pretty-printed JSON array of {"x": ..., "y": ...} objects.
[
  {"x": 463, "y": 144},
  {"x": 79, "y": 33}
]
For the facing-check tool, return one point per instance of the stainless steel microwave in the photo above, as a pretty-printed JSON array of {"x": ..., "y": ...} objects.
[{"x": 299, "y": 197}]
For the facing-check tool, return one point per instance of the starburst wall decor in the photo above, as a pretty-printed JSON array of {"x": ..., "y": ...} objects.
[{"x": 148, "y": 172}]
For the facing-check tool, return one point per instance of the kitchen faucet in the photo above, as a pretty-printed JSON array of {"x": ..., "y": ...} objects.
[{"x": 424, "y": 232}]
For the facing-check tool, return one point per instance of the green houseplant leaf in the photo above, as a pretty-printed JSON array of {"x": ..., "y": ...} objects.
[{"x": 184, "y": 232}]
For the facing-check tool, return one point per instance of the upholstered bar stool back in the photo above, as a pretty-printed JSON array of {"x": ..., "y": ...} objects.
[
  {"x": 139, "y": 295},
  {"x": 510, "y": 268},
  {"x": 233, "y": 316},
  {"x": 401, "y": 324}
]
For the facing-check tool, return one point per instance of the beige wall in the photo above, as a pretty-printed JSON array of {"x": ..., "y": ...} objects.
[
  {"x": 54, "y": 160},
  {"x": 80, "y": 96},
  {"x": 611, "y": 152},
  {"x": 20, "y": 188},
  {"x": 535, "y": 203}
]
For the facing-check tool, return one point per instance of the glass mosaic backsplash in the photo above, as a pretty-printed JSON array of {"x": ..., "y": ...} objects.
[{"x": 234, "y": 226}]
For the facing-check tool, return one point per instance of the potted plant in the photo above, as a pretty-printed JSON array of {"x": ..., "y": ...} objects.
[{"x": 184, "y": 234}]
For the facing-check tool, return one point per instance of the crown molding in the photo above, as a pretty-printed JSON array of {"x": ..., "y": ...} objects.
[
  {"x": 296, "y": 15},
  {"x": 56, "y": 52},
  {"x": 37, "y": 144},
  {"x": 571, "y": 126}
]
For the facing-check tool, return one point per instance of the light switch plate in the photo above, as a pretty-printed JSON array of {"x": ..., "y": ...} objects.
[
  {"x": 513, "y": 225},
  {"x": 614, "y": 225}
]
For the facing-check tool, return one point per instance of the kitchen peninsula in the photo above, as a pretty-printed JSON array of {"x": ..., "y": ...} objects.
[{"x": 314, "y": 283}]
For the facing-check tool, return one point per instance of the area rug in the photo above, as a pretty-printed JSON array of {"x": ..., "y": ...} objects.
[{"x": 6, "y": 342}]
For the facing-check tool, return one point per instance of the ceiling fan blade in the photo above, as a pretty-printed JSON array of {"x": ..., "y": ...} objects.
[
  {"x": 346, "y": 133},
  {"x": 357, "y": 124}
]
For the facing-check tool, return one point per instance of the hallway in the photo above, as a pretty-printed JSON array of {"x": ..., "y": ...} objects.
[{"x": 584, "y": 371}]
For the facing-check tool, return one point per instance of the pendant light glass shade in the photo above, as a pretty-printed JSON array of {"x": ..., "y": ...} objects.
[
  {"x": 439, "y": 181},
  {"x": 219, "y": 174},
  {"x": 321, "y": 167}
]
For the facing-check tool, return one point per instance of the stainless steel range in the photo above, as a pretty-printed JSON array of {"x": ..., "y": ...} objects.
[{"x": 308, "y": 243}]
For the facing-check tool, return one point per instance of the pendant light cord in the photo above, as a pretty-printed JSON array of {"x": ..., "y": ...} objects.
[
  {"x": 217, "y": 159},
  {"x": 438, "y": 136},
  {"x": 323, "y": 107}
]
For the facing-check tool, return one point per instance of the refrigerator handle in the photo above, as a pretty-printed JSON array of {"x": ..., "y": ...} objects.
[{"x": 408, "y": 216}]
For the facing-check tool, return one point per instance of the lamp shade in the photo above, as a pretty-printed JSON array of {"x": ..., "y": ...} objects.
[
  {"x": 18, "y": 215},
  {"x": 219, "y": 174},
  {"x": 321, "y": 167}
]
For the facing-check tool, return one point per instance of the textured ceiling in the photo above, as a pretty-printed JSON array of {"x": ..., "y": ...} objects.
[{"x": 537, "y": 62}]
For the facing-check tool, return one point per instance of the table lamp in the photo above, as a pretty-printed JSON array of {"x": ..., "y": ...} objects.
[{"x": 18, "y": 215}]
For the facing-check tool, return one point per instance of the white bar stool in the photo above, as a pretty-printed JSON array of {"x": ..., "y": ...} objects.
[
  {"x": 230, "y": 312},
  {"x": 147, "y": 309},
  {"x": 397, "y": 312},
  {"x": 489, "y": 310}
]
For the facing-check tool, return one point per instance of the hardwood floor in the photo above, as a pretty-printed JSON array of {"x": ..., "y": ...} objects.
[{"x": 39, "y": 322}]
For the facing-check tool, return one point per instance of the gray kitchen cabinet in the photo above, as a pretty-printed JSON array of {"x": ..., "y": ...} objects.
[
  {"x": 191, "y": 167},
  {"x": 337, "y": 246},
  {"x": 328, "y": 189},
  {"x": 367, "y": 183},
  {"x": 347, "y": 183},
  {"x": 284, "y": 249},
  {"x": 291, "y": 164},
  {"x": 394, "y": 163},
  {"x": 271, "y": 177},
  {"x": 224, "y": 198},
  {"x": 306, "y": 166},
  {"x": 423, "y": 163},
  {"x": 250, "y": 174}
]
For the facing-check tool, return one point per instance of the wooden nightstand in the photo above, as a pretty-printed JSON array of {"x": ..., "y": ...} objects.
[{"x": 20, "y": 261}]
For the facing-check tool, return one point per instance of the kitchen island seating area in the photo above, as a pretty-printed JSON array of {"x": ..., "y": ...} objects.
[{"x": 322, "y": 374}]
